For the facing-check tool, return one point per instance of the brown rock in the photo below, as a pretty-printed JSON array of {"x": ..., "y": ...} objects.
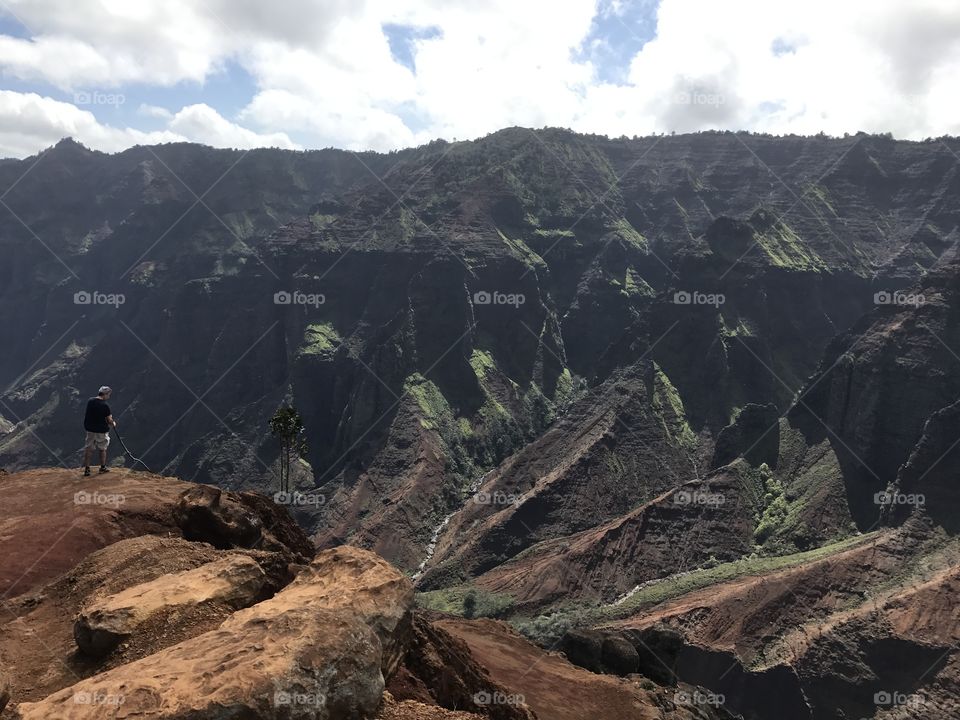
[
  {"x": 440, "y": 669},
  {"x": 320, "y": 648},
  {"x": 80, "y": 515},
  {"x": 235, "y": 581},
  {"x": 392, "y": 709},
  {"x": 207, "y": 514},
  {"x": 226, "y": 520},
  {"x": 4, "y": 691}
]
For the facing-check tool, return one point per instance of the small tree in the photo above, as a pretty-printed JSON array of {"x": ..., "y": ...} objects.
[
  {"x": 287, "y": 426},
  {"x": 470, "y": 605}
]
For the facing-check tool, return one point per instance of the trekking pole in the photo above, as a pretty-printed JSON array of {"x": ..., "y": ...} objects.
[{"x": 127, "y": 451}]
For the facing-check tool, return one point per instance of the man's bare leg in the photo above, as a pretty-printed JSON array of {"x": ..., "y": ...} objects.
[
  {"x": 87, "y": 453},
  {"x": 103, "y": 459}
]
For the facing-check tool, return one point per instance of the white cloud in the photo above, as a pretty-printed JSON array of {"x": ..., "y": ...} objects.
[
  {"x": 324, "y": 73},
  {"x": 201, "y": 123},
  {"x": 29, "y": 122},
  {"x": 154, "y": 111}
]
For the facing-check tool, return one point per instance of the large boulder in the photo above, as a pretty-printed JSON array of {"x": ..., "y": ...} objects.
[
  {"x": 321, "y": 648},
  {"x": 4, "y": 690},
  {"x": 600, "y": 651},
  {"x": 226, "y": 520},
  {"x": 235, "y": 581}
]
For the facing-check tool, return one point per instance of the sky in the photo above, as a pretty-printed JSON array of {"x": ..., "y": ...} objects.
[{"x": 387, "y": 74}]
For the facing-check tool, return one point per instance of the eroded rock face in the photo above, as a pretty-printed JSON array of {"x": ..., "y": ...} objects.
[
  {"x": 234, "y": 581},
  {"x": 205, "y": 513},
  {"x": 4, "y": 690},
  {"x": 440, "y": 669},
  {"x": 321, "y": 648},
  {"x": 239, "y": 520}
]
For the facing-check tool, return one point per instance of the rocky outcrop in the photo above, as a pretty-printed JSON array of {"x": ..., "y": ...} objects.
[
  {"x": 600, "y": 652},
  {"x": 235, "y": 581},
  {"x": 321, "y": 648},
  {"x": 440, "y": 669},
  {"x": 554, "y": 688},
  {"x": 4, "y": 690},
  {"x": 76, "y": 516},
  {"x": 677, "y": 531},
  {"x": 229, "y": 520},
  {"x": 393, "y": 709},
  {"x": 754, "y": 436},
  {"x": 880, "y": 383},
  {"x": 871, "y": 618}
]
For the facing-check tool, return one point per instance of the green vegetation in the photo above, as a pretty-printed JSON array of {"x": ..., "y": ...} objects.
[
  {"x": 320, "y": 222},
  {"x": 482, "y": 362},
  {"x": 675, "y": 586},
  {"x": 457, "y": 600},
  {"x": 553, "y": 234},
  {"x": 785, "y": 249},
  {"x": 775, "y": 508},
  {"x": 433, "y": 405},
  {"x": 634, "y": 285},
  {"x": 626, "y": 231},
  {"x": 822, "y": 196},
  {"x": 669, "y": 409},
  {"x": 522, "y": 251},
  {"x": 287, "y": 426},
  {"x": 320, "y": 339}
]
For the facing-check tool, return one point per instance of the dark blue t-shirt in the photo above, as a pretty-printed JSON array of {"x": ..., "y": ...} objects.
[{"x": 95, "y": 419}]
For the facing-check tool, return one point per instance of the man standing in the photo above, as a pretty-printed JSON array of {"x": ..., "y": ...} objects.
[{"x": 97, "y": 422}]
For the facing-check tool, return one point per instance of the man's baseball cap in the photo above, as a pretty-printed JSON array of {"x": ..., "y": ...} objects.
[{"x": 104, "y": 389}]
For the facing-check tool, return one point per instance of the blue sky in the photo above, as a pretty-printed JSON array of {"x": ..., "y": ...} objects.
[{"x": 382, "y": 74}]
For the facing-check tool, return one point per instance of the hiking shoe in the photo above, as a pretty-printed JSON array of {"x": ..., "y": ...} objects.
[
  {"x": 86, "y": 472},
  {"x": 104, "y": 468}
]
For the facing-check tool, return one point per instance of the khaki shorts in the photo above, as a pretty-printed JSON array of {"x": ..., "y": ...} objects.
[{"x": 97, "y": 441}]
